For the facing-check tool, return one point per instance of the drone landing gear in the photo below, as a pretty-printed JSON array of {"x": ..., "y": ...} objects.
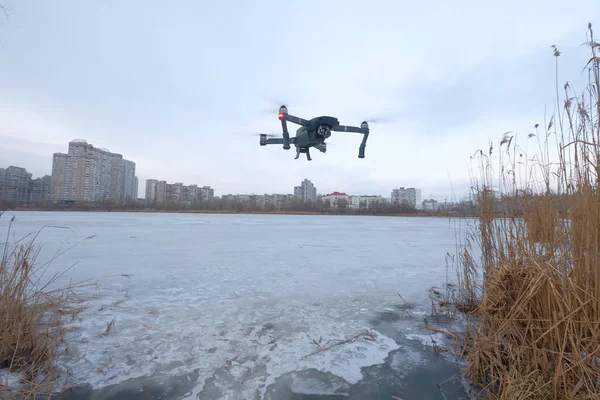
[{"x": 299, "y": 150}]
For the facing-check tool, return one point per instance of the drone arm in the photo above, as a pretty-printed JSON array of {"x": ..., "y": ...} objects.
[
  {"x": 265, "y": 141},
  {"x": 363, "y": 144},
  {"x": 286, "y": 135},
  {"x": 346, "y": 128},
  {"x": 295, "y": 120},
  {"x": 364, "y": 129},
  {"x": 275, "y": 141}
]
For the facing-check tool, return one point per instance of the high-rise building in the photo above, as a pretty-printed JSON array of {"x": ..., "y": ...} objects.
[
  {"x": 135, "y": 187},
  {"x": 161, "y": 192},
  {"x": 59, "y": 173},
  {"x": 41, "y": 189},
  {"x": 90, "y": 174},
  {"x": 190, "y": 194},
  {"x": 176, "y": 192},
  {"x": 306, "y": 192},
  {"x": 418, "y": 200},
  {"x": 3, "y": 185},
  {"x": 128, "y": 182},
  {"x": 15, "y": 185},
  {"x": 408, "y": 196},
  {"x": 206, "y": 193},
  {"x": 151, "y": 186}
]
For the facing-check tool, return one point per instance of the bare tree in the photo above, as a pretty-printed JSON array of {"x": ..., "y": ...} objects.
[{"x": 4, "y": 9}]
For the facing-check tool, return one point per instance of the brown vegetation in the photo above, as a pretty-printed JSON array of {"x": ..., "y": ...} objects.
[
  {"x": 534, "y": 315},
  {"x": 32, "y": 320}
]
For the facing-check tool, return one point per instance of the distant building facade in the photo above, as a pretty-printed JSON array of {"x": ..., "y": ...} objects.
[
  {"x": 367, "y": 201},
  {"x": 41, "y": 190},
  {"x": 59, "y": 174},
  {"x": 18, "y": 188},
  {"x": 161, "y": 192},
  {"x": 273, "y": 201},
  {"x": 90, "y": 174},
  {"x": 306, "y": 192},
  {"x": 408, "y": 196},
  {"x": 128, "y": 181},
  {"x": 15, "y": 184},
  {"x": 151, "y": 191},
  {"x": 337, "y": 200}
]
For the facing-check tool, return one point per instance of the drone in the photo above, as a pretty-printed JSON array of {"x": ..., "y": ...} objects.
[{"x": 312, "y": 133}]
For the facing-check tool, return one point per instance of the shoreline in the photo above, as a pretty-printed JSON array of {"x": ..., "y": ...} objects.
[{"x": 257, "y": 212}]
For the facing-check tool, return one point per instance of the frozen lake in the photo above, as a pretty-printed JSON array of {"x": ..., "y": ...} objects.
[{"x": 232, "y": 306}]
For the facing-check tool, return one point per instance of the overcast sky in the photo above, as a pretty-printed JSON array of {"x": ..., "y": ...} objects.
[{"x": 181, "y": 88}]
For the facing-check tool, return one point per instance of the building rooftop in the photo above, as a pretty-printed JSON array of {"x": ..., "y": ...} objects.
[{"x": 337, "y": 194}]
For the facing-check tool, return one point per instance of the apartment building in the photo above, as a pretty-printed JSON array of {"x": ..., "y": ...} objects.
[
  {"x": 367, "y": 201},
  {"x": 129, "y": 182},
  {"x": 306, "y": 192},
  {"x": 408, "y": 196},
  {"x": 59, "y": 173},
  {"x": 151, "y": 191},
  {"x": 18, "y": 187},
  {"x": 91, "y": 174},
  {"x": 337, "y": 199},
  {"x": 41, "y": 189},
  {"x": 15, "y": 183},
  {"x": 206, "y": 193},
  {"x": 161, "y": 192}
]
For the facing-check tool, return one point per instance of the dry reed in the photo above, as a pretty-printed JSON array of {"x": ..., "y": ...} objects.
[
  {"x": 32, "y": 320},
  {"x": 534, "y": 313}
]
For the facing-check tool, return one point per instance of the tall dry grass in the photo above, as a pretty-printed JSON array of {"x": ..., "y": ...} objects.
[
  {"x": 532, "y": 291},
  {"x": 32, "y": 320}
]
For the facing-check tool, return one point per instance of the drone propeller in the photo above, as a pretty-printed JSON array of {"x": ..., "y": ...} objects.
[
  {"x": 273, "y": 106},
  {"x": 269, "y": 135},
  {"x": 379, "y": 120}
]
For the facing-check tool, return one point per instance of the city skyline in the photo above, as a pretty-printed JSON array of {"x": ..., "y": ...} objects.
[
  {"x": 18, "y": 186},
  {"x": 60, "y": 158},
  {"x": 197, "y": 122},
  {"x": 159, "y": 190},
  {"x": 130, "y": 181}
]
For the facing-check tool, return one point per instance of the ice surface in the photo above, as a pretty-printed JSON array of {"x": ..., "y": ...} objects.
[{"x": 241, "y": 299}]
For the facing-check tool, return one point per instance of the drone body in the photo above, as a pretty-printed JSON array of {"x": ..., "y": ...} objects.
[{"x": 313, "y": 133}]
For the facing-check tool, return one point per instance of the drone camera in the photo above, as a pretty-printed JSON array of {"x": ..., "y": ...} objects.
[{"x": 324, "y": 130}]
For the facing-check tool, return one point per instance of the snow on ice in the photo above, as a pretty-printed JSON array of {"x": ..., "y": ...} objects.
[{"x": 241, "y": 300}]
